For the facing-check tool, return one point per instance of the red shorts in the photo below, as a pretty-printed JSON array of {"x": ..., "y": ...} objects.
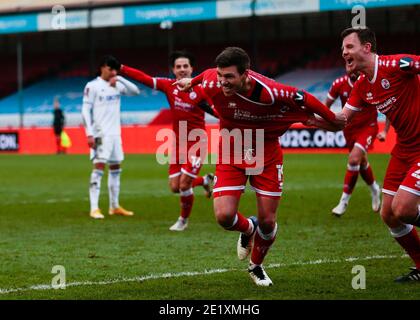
[
  {"x": 189, "y": 164},
  {"x": 362, "y": 139},
  {"x": 402, "y": 174},
  {"x": 230, "y": 179}
]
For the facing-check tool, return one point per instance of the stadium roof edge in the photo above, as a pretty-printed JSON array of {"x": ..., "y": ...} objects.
[
  {"x": 150, "y": 12},
  {"x": 22, "y": 6}
]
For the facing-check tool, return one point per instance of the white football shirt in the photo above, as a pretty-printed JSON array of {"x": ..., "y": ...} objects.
[{"x": 102, "y": 104}]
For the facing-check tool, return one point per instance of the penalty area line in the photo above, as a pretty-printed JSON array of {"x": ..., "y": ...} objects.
[{"x": 40, "y": 287}]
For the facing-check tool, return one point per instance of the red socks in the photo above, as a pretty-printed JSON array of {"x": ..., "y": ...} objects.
[
  {"x": 367, "y": 174},
  {"x": 187, "y": 199},
  {"x": 199, "y": 181},
  {"x": 261, "y": 245},
  {"x": 351, "y": 178},
  {"x": 240, "y": 224}
]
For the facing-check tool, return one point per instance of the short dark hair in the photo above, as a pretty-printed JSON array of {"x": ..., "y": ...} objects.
[
  {"x": 181, "y": 54},
  {"x": 233, "y": 56},
  {"x": 365, "y": 35},
  {"x": 110, "y": 61}
]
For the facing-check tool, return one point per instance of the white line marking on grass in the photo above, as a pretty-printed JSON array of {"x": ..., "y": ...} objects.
[{"x": 195, "y": 273}]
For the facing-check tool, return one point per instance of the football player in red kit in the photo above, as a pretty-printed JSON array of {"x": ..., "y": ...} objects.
[
  {"x": 359, "y": 135},
  {"x": 390, "y": 84},
  {"x": 187, "y": 110},
  {"x": 248, "y": 102}
]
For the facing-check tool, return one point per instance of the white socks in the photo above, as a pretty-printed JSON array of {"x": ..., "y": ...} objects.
[
  {"x": 95, "y": 188},
  {"x": 114, "y": 187},
  {"x": 374, "y": 187},
  {"x": 345, "y": 197}
]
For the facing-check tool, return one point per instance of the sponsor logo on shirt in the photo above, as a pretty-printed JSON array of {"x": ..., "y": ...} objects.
[
  {"x": 110, "y": 98},
  {"x": 232, "y": 105},
  {"x": 387, "y": 105},
  {"x": 179, "y": 104}
]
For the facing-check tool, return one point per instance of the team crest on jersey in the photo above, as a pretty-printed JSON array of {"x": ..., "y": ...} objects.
[
  {"x": 385, "y": 84},
  {"x": 369, "y": 96},
  {"x": 193, "y": 95},
  {"x": 232, "y": 105}
]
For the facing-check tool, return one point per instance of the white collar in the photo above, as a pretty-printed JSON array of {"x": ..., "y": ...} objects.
[
  {"x": 349, "y": 82},
  {"x": 375, "y": 72},
  {"x": 259, "y": 103}
]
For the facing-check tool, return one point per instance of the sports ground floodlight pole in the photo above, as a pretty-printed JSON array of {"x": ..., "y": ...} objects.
[
  {"x": 254, "y": 35},
  {"x": 91, "y": 44},
  {"x": 20, "y": 78},
  {"x": 168, "y": 25}
]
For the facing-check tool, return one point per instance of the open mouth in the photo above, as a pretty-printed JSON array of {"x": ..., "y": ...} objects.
[{"x": 349, "y": 62}]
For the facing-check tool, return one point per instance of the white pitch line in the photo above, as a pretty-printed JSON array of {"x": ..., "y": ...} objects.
[{"x": 195, "y": 273}]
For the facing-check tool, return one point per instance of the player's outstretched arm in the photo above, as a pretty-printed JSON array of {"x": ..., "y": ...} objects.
[
  {"x": 316, "y": 121},
  {"x": 186, "y": 83},
  {"x": 138, "y": 75},
  {"x": 316, "y": 106},
  {"x": 409, "y": 63},
  {"x": 126, "y": 87},
  {"x": 329, "y": 102}
]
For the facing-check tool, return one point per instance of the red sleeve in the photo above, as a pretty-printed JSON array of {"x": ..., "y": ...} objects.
[
  {"x": 355, "y": 102},
  {"x": 403, "y": 63},
  {"x": 316, "y": 106},
  {"x": 333, "y": 93},
  {"x": 154, "y": 83},
  {"x": 302, "y": 98},
  {"x": 204, "y": 96},
  {"x": 198, "y": 79}
]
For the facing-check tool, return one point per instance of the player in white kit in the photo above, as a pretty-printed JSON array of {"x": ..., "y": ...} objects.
[{"x": 101, "y": 116}]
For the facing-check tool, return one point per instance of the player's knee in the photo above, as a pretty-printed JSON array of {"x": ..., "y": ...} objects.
[
  {"x": 185, "y": 185},
  {"x": 224, "y": 217},
  {"x": 100, "y": 166},
  {"x": 114, "y": 166},
  {"x": 354, "y": 161},
  {"x": 267, "y": 224},
  {"x": 174, "y": 186},
  {"x": 404, "y": 211},
  {"x": 387, "y": 216}
]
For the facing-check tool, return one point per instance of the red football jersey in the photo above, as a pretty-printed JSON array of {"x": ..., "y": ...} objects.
[
  {"x": 341, "y": 88},
  {"x": 184, "y": 105},
  {"x": 269, "y": 105},
  {"x": 394, "y": 91}
]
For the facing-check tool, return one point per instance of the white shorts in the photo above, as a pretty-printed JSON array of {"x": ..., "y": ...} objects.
[{"x": 110, "y": 151}]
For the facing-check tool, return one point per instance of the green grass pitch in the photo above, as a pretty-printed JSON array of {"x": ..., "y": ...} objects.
[{"x": 44, "y": 222}]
